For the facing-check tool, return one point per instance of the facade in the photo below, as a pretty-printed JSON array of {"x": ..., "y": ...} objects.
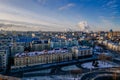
[
  {"x": 35, "y": 45},
  {"x": 43, "y": 57},
  {"x": 52, "y": 56},
  {"x": 63, "y": 43},
  {"x": 5, "y": 40},
  {"x": 17, "y": 47},
  {"x": 112, "y": 45},
  {"x": 3, "y": 59},
  {"x": 82, "y": 51},
  {"x": 40, "y": 45},
  {"x": 114, "y": 34}
]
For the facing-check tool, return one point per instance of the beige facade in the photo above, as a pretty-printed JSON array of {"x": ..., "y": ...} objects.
[
  {"x": 114, "y": 47},
  {"x": 41, "y": 59},
  {"x": 111, "y": 45},
  {"x": 113, "y": 34},
  {"x": 81, "y": 51}
]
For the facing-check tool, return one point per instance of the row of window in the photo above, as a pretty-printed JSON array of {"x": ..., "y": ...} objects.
[
  {"x": 49, "y": 58},
  {"x": 42, "y": 59}
]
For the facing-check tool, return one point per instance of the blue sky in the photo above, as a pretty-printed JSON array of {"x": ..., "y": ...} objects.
[{"x": 64, "y": 14}]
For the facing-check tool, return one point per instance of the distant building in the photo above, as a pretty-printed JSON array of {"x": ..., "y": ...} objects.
[
  {"x": 82, "y": 51},
  {"x": 17, "y": 47},
  {"x": 40, "y": 45},
  {"x": 110, "y": 45},
  {"x": 20, "y": 43},
  {"x": 3, "y": 59},
  {"x": 63, "y": 43},
  {"x": 113, "y": 46},
  {"x": 114, "y": 34}
]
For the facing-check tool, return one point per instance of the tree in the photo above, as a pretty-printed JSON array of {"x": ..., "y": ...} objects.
[
  {"x": 104, "y": 57},
  {"x": 95, "y": 63}
]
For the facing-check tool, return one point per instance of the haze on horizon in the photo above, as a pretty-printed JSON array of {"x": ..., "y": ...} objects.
[{"x": 64, "y": 14}]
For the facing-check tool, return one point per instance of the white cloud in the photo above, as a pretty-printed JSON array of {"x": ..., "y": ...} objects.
[
  {"x": 112, "y": 7},
  {"x": 83, "y": 26},
  {"x": 111, "y": 4},
  {"x": 67, "y": 6},
  {"x": 12, "y": 13}
]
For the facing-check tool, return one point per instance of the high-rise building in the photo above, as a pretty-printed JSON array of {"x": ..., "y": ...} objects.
[{"x": 3, "y": 59}]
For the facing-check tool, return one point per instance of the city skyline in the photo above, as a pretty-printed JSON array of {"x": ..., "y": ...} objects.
[{"x": 64, "y": 14}]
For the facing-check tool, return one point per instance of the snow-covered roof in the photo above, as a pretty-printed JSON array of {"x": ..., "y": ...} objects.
[{"x": 40, "y": 52}]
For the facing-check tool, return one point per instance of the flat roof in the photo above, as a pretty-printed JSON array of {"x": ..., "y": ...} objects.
[{"x": 35, "y": 53}]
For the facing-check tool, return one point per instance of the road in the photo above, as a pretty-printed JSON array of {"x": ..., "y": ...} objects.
[{"x": 93, "y": 74}]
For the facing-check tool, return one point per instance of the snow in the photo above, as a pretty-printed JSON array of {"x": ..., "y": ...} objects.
[
  {"x": 53, "y": 77},
  {"x": 117, "y": 59},
  {"x": 39, "y": 53},
  {"x": 102, "y": 53},
  {"x": 68, "y": 68},
  {"x": 100, "y": 65}
]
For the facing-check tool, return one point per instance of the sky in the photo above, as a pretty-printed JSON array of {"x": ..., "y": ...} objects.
[{"x": 60, "y": 15}]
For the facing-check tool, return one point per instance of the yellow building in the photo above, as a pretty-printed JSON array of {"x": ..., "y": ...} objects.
[
  {"x": 113, "y": 34},
  {"x": 82, "y": 51},
  {"x": 52, "y": 56},
  {"x": 43, "y": 57}
]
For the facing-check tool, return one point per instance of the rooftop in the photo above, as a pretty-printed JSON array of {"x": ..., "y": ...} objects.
[{"x": 40, "y": 53}]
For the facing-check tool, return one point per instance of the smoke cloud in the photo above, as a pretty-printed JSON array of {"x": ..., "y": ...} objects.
[{"x": 83, "y": 26}]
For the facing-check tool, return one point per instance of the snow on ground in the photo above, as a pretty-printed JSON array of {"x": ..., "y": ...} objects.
[
  {"x": 100, "y": 65},
  {"x": 108, "y": 54},
  {"x": 117, "y": 58},
  {"x": 53, "y": 77},
  {"x": 68, "y": 68}
]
